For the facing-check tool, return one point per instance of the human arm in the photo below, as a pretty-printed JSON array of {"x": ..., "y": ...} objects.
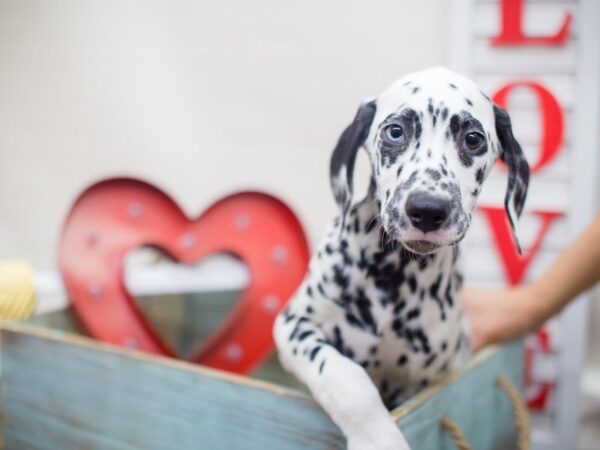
[{"x": 499, "y": 316}]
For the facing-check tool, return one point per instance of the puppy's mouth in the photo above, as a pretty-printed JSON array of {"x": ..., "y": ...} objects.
[{"x": 422, "y": 247}]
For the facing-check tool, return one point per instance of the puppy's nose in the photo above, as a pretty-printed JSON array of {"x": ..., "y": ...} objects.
[{"x": 426, "y": 212}]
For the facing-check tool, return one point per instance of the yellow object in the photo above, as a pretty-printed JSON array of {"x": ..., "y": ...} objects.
[{"x": 17, "y": 290}]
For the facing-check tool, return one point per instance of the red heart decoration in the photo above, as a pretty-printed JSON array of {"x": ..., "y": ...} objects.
[{"x": 115, "y": 216}]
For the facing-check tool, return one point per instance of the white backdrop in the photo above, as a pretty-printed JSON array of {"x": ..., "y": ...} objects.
[{"x": 201, "y": 98}]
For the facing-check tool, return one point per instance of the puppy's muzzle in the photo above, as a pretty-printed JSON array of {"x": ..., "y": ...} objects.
[{"x": 427, "y": 212}]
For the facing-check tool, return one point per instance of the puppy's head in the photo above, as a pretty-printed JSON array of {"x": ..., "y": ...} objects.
[{"x": 432, "y": 139}]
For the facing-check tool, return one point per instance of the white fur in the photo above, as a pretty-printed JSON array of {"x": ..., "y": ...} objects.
[{"x": 369, "y": 321}]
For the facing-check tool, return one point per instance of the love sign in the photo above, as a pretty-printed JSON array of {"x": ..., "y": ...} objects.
[
  {"x": 538, "y": 59},
  {"x": 116, "y": 216},
  {"x": 551, "y": 140}
]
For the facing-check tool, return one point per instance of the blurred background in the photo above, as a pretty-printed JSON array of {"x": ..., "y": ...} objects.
[
  {"x": 201, "y": 98},
  {"x": 207, "y": 98}
]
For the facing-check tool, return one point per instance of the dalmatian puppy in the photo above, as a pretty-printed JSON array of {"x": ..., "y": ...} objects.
[{"x": 378, "y": 315}]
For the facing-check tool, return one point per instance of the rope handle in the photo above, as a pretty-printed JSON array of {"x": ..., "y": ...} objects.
[
  {"x": 455, "y": 433},
  {"x": 521, "y": 419},
  {"x": 520, "y": 410}
]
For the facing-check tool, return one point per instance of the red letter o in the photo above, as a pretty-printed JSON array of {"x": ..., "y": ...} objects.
[{"x": 551, "y": 115}]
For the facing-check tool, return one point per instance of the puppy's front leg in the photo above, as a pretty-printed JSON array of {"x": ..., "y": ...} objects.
[{"x": 341, "y": 386}]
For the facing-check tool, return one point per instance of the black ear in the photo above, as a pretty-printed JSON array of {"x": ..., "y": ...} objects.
[
  {"x": 341, "y": 168},
  {"x": 518, "y": 169}
]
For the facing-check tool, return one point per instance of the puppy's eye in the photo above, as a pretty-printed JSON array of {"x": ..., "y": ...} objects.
[
  {"x": 473, "y": 140},
  {"x": 394, "y": 133}
]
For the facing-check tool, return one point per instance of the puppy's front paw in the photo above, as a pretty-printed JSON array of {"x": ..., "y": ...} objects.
[{"x": 390, "y": 438}]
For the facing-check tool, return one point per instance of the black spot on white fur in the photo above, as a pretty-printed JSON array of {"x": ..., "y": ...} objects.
[{"x": 369, "y": 298}]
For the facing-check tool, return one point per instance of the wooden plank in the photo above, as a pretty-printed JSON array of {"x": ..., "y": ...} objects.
[
  {"x": 561, "y": 86},
  {"x": 523, "y": 60},
  {"x": 67, "y": 392},
  {"x": 483, "y": 265},
  {"x": 538, "y": 18},
  {"x": 473, "y": 401},
  {"x": 480, "y": 235},
  {"x": 526, "y": 125},
  {"x": 203, "y": 312},
  {"x": 542, "y": 193}
]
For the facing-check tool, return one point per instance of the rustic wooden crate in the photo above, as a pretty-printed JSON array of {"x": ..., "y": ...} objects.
[{"x": 62, "y": 390}]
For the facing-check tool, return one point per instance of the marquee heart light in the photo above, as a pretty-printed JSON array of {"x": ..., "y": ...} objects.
[{"x": 116, "y": 216}]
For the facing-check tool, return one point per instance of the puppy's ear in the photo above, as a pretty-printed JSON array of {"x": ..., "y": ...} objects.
[
  {"x": 341, "y": 168},
  {"x": 518, "y": 169}
]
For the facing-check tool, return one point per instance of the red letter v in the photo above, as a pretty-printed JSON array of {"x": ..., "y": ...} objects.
[{"x": 515, "y": 265}]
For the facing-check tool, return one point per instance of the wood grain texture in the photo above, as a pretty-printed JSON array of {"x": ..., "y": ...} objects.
[
  {"x": 472, "y": 400},
  {"x": 183, "y": 331},
  {"x": 62, "y": 391}
]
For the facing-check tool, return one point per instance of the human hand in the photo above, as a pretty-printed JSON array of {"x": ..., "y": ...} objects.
[{"x": 497, "y": 316}]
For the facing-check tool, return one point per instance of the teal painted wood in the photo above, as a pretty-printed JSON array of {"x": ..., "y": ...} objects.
[
  {"x": 70, "y": 394},
  {"x": 65, "y": 392},
  {"x": 474, "y": 402}
]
